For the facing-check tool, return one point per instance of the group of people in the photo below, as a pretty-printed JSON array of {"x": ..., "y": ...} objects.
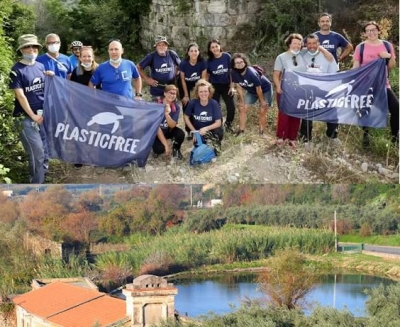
[{"x": 199, "y": 84}]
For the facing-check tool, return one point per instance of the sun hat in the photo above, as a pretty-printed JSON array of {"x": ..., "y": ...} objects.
[
  {"x": 159, "y": 39},
  {"x": 28, "y": 39}
]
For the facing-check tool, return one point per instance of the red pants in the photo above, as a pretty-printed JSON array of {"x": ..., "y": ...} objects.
[{"x": 287, "y": 126}]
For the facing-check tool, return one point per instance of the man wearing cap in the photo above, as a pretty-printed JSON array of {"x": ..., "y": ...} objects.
[
  {"x": 76, "y": 50},
  {"x": 54, "y": 60},
  {"x": 116, "y": 75},
  {"x": 27, "y": 83},
  {"x": 163, "y": 64}
]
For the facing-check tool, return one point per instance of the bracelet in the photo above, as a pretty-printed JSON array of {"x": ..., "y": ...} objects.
[{"x": 138, "y": 94}]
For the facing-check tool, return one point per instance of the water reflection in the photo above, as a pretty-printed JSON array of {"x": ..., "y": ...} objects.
[{"x": 223, "y": 293}]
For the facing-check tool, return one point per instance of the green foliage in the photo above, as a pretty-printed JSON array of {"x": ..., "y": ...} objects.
[
  {"x": 288, "y": 279},
  {"x": 384, "y": 306},
  {"x": 48, "y": 267},
  {"x": 186, "y": 251}
]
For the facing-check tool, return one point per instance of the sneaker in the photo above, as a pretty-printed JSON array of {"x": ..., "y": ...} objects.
[
  {"x": 176, "y": 153},
  {"x": 366, "y": 142},
  {"x": 239, "y": 132},
  {"x": 78, "y": 166}
]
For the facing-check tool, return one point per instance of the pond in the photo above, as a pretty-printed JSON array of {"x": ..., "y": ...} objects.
[{"x": 200, "y": 295}]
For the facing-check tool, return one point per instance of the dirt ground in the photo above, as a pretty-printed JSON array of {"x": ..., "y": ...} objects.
[{"x": 249, "y": 158}]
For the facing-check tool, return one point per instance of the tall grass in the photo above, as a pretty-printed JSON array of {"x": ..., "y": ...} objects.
[{"x": 185, "y": 251}]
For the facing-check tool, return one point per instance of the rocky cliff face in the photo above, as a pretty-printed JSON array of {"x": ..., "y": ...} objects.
[{"x": 198, "y": 21}]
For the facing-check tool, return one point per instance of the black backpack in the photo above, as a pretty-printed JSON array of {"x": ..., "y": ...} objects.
[{"x": 387, "y": 46}]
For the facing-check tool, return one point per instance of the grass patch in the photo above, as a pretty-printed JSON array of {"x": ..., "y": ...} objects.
[{"x": 390, "y": 240}]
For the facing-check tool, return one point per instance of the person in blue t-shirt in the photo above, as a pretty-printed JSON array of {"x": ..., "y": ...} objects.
[
  {"x": 76, "y": 49},
  {"x": 219, "y": 75},
  {"x": 27, "y": 83},
  {"x": 116, "y": 75},
  {"x": 54, "y": 60},
  {"x": 163, "y": 64},
  {"x": 192, "y": 68},
  {"x": 257, "y": 87},
  {"x": 168, "y": 127},
  {"x": 60, "y": 64},
  {"x": 331, "y": 40},
  {"x": 203, "y": 114}
]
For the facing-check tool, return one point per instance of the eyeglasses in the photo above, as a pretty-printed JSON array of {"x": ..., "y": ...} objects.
[
  {"x": 53, "y": 42},
  {"x": 294, "y": 60},
  {"x": 30, "y": 47},
  {"x": 172, "y": 93},
  {"x": 313, "y": 62},
  {"x": 371, "y": 31},
  {"x": 76, "y": 48}
]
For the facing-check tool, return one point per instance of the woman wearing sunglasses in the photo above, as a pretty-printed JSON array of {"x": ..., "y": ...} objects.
[{"x": 288, "y": 126}]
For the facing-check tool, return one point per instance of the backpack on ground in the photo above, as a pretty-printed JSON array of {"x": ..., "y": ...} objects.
[
  {"x": 201, "y": 152},
  {"x": 387, "y": 46}
]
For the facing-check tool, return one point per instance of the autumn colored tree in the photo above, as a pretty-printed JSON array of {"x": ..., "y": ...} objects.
[
  {"x": 288, "y": 279},
  {"x": 9, "y": 210},
  {"x": 45, "y": 211},
  {"x": 137, "y": 191},
  {"x": 90, "y": 201},
  {"x": 79, "y": 225}
]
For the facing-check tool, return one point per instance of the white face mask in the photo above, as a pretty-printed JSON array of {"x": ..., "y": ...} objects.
[
  {"x": 116, "y": 61},
  {"x": 313, "y": 54},
  {"x": 29, "y": 57},
  {"x": 54, "y": 48},
  {"x": 87, "y": 66},
  {"x": 295, "y": 52}
]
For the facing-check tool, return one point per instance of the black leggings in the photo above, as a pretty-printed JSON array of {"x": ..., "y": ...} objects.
[
  {"x": 177, "y": 136},
  {"x": 223, "y": 90}
]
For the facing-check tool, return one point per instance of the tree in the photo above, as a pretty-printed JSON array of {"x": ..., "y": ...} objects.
[
  {"x": 9, "y": 210},
  {"x": 17, "y": 19},
  {"x": 383, "y": 306},
  {"x": 90, "y": 201},
  {"x": 79, "y": 225},
  {"x": 288, "y": 279}
]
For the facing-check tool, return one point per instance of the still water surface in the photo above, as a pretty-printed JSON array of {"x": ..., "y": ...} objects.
[{"x": 200, "y": 295}]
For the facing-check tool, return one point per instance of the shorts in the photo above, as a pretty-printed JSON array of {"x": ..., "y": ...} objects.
[{"x": 251, "y": 98}]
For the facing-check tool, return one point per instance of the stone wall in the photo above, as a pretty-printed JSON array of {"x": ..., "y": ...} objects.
[{"x": 204, "y": 19}]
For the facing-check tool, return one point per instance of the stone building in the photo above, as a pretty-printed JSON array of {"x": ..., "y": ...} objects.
[
  {"x": 77, "y": 302},
  {"x": 199, "y": 20}
]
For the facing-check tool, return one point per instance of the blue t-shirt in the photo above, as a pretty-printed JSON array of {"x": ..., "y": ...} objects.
[
  {"x": 173, "y": 115},
  {"x": 162, "y": 69},
  {"x": 250, "y": 80},
  {"x": 74, "y": 61},
  {"x": 61, "y": 66},
  {"x": 116, "y": 80},
  {"x": 203, "y": 116},
  {"x": 31, "y": 80},
  {"x": 219, "y": 69},
  {"x": 192, "y": 72},
  {"x": 332, "y": 42}
]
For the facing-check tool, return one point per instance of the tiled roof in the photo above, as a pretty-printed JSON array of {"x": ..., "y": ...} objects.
[{"x": 72, "y": 306}]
